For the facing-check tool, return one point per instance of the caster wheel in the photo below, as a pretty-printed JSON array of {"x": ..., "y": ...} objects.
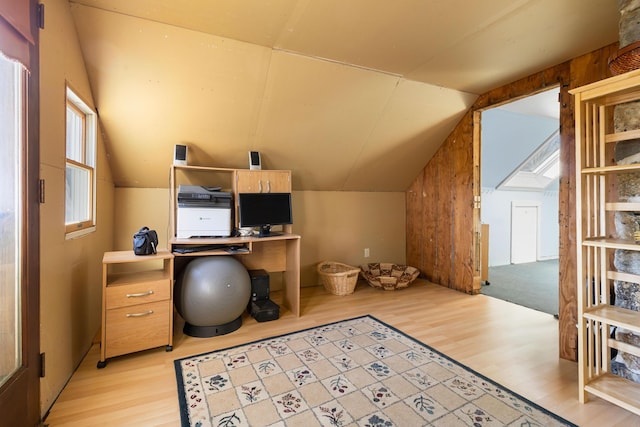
[
  {"x": 101, "y": 364},
  {"x": 169, "y": 348}
]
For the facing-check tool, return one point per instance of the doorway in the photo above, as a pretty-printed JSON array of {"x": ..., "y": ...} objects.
[{"x": 519, "y": 149}]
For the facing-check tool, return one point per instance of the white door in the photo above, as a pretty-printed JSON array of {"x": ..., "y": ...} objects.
[{"x": 524, "y": 232}]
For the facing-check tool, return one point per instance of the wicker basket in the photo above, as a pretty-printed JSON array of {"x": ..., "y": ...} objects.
[
  {"x": 625, "y": 59},
  {"x": 337, "y": 278},
  {"x": 389, "y": 276}
]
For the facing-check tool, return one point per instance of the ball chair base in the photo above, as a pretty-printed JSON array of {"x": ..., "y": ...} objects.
[{"x": 211, "y": 331}]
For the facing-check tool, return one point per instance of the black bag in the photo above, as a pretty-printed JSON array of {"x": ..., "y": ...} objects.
[{"x": 145, "y": 242}]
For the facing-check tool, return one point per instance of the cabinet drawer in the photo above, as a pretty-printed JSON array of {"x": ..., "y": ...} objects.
[
  {"x": 137, "y": 293},
  {"x": 137, "y": 327}
]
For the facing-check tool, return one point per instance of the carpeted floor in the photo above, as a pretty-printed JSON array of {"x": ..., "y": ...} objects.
[
  {"x": 533, "y": 285},
  {"x": 359, "y": 372}
]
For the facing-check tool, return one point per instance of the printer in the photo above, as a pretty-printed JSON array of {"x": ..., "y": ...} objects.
[{"x": 203, "y": 212}]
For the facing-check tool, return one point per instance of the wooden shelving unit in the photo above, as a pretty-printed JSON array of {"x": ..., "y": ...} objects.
[{"x": 597, "y": 178}]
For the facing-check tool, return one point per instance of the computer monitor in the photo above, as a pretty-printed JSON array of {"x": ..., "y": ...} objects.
[{"x": 264, "y": 210}]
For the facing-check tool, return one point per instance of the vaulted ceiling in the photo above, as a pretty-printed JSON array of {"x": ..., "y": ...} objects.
[{"x": 352, "y": 95}]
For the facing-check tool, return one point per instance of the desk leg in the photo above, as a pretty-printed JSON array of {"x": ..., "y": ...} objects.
[
  {"x": 292, "y": 277},
  {"x": 103, "y": 333}
]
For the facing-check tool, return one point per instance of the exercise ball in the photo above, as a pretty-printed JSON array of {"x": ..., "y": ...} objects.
[{"x": 211, "y": 294}]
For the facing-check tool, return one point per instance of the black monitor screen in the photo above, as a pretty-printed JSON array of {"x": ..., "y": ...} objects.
[{"x": 264, "y": 210}]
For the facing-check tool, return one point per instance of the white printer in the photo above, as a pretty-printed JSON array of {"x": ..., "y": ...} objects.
[{"x": 203, "y": 212}]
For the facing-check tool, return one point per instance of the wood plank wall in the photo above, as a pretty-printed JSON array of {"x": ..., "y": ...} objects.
[
  {"x": 441, "y": 238},
  {"x": 440, "y": 229}
]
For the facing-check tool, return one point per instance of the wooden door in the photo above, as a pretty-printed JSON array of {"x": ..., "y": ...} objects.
[{"x": 20, "y": 366}]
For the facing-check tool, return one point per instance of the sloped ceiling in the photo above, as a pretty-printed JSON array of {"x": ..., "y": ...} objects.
[{"x": 350, "y": 95}]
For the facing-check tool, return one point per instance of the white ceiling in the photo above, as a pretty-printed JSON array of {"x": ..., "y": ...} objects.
[
  {"x": 349, "y": 94},
  {"x": 544, "y": 104}
]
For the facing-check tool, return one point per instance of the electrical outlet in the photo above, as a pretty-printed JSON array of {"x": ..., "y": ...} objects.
[{"x": 366, "y": 252}]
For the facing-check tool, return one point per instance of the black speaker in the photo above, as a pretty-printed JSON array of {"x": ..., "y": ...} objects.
[
  {"x": 259, "y": 285},
  {"x": 180, "y": 155},
  {"x": 255, "y": 162}
]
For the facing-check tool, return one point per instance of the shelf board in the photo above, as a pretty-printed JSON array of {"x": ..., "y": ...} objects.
[
  {"x": 231, "y": 240},
  {"x": 614, "y": 87},
  {"x": 623, "y": 277},
  {"x": 603, "y": 242},
  {"x": 624, "y": 347},
  {"x": 634, "y": 167},
  {"x": 612, "y": 315},
  {"x": 622, "y": 206},
  {"x": 203, "y": 168},
  {"x": 118, "y": 257},
  {"x": 618, "y": 390},
  {"x": 622, "y": 136}
]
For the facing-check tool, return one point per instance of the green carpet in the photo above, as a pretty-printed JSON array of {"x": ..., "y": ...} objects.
[
  {"x": 357, "y": 372},
  {"x": 533, "y": 285}
]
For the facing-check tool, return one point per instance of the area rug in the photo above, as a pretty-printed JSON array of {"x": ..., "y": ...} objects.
[{"x": 356, "y": 372}]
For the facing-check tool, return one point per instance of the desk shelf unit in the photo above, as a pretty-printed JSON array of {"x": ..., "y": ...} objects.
[
  {"x": 234, "y": 181},
  {"x": 598, "y": 179},
  {"x": 276, "y": 253}
]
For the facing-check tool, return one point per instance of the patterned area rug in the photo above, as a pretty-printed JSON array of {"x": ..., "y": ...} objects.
[{"x": 359, "y": 372}]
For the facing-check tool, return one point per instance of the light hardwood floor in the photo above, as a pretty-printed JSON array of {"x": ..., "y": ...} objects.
[{"x": 515, "y": 346}]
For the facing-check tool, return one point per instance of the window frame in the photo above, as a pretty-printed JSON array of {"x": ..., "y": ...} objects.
[{"x": 88, "y": 162}]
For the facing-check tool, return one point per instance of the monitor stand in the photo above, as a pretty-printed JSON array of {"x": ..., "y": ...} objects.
[{"x": 265, "y": 231}]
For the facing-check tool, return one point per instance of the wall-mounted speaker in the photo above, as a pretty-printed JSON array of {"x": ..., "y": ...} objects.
[
  {"x": 180, "y": 155},
  {"x": 255, "y": 163}
]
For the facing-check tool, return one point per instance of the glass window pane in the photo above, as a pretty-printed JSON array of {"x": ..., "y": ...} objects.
[
  {"x": 10, "y": 217},
  {"x": 74, "y": 135},
  {"x": 78, "y": 193},
  {"x": 90, "y": 140}
]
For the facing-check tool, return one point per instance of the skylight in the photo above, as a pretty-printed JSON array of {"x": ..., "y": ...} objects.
[{"x": 539, "y": 170}]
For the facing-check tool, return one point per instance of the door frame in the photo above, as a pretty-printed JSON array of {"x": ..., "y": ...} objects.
[{"x": 20, "y": 395}]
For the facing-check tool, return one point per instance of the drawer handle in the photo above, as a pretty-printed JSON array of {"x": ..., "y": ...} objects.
[
  {"x": 141, "y": 294},
  {"x": 146, "y": 313}
]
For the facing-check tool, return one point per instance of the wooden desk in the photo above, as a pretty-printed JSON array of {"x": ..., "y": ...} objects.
[{"x": 278, "y": 253}]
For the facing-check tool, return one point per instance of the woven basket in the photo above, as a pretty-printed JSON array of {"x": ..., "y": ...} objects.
[
  {"x": 389, "y": 276},
  {"x": 337, "y": 278},
  {"x": 626, "y": 59}
]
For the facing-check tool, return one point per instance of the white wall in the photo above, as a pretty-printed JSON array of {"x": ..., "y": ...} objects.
[{"x": 496, "y": 211}]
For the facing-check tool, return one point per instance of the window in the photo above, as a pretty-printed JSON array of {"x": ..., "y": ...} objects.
[
  {"x": 539, "y": 170},
  {"x": 80, "y": 177}
]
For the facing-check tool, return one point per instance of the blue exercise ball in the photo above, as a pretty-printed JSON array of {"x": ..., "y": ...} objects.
[{"x": 211, "y": 294}]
